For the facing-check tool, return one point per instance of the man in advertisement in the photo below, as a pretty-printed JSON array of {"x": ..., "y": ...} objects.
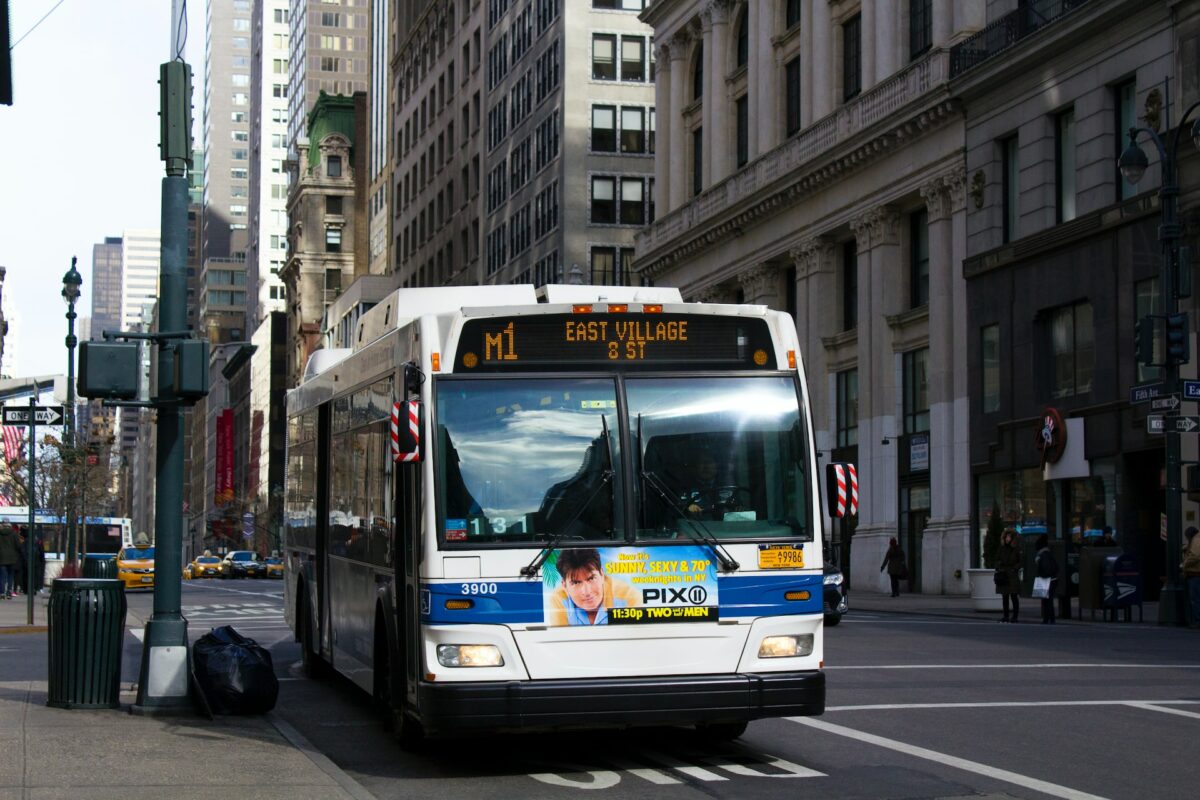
[{"x": 585, "y": 594}]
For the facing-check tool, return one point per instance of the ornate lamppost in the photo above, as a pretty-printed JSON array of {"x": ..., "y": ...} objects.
[{"x": 70, "y": 293}]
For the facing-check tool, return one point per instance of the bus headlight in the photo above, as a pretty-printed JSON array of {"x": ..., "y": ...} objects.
[
  {"x": 800, "y": 644},
  {"x": 474, "y": 655}
]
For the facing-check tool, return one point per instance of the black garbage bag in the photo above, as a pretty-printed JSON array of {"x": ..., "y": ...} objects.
[{"x": 234, "y": 673}]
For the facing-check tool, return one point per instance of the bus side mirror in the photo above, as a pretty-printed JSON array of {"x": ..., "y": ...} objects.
[
  {"x": 841, "y": 489},
  {"x": 407, "y": 421}
]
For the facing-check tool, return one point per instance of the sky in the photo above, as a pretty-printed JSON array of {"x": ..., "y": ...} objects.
[{"x": 79, "y": 151}]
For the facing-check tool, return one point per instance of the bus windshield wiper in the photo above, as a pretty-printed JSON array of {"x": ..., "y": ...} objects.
[
  {"x": 530, "y": 570},
  {"x": 701, "y": 536}
]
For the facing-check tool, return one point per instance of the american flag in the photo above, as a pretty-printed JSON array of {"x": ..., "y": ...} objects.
[{"x": 14, "y": 438}]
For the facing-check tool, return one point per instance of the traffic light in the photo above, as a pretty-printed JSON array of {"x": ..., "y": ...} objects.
[
  {"x": 1178, "y": 350},
  {"x": 1143, "y": 341}
]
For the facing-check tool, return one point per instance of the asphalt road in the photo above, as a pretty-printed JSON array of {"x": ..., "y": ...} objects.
[{"x": 919, "y": 707}]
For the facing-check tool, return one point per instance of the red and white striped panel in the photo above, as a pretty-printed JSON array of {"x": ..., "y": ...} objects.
[
  {"x": 847, "y": 489},
  {"x": 409, "y": 411}
]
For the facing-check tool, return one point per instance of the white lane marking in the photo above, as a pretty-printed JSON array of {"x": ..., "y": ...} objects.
[
  {"x": 1155, "y": 706},
  {"x": 348, "y": 784},
  {"x": 645, "y": 773},
  {"x": 599, "y": 779},
  {"x": 679, "y": 766},
  {"x": 1012, "y": 704},
  {"x": 1011, "y": 666},
  {"x": 1045, "y": 787},
  {"x": 138, "y": 633},
  {"x": 242, "y": 591}
]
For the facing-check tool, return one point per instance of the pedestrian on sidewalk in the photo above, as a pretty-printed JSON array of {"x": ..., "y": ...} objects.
[
  {"x": 1008, "y": 573},
  {"x": 1047, "y": 567},
  {"x": 896, "y": 565},
  {"x": 1191, "y": 574},
  {"x": 10, "y": 554}
]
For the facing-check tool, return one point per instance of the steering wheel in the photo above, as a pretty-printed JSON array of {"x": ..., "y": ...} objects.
[{"x": 728, "y": 497}]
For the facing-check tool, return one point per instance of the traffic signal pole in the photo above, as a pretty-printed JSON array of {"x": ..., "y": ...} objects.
[{"x": 163, "y": 682}]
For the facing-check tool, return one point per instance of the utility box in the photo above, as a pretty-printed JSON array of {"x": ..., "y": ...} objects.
[{"x": 108, "y": 370}]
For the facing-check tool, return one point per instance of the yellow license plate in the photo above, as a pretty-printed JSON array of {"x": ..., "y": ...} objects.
[{"x": 780, "y": 557}]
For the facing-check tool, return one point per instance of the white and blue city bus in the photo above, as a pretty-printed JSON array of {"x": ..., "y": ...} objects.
[{"x": 599, "y": 500}]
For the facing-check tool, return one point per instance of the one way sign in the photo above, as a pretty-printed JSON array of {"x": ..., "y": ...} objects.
[{"x": 42, "y": 415}]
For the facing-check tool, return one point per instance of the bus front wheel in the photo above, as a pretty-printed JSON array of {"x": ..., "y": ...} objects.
[{"x": 314, "y": 666}]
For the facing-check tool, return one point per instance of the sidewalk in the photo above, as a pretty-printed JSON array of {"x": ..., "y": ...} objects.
[
  {"x": 962, "y": 607},
  {"x": 106, "y": 754}
]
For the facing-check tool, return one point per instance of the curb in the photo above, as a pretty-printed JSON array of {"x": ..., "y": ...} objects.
[{"x": 24, "y": 629}]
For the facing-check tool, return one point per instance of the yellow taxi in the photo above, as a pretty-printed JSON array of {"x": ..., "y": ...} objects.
[
  {"x": 205, "y": 566},
  {"x": 274, "y": 567},
  {"x": 135, "y": 567}
]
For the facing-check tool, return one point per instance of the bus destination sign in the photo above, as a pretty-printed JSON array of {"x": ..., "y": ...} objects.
[{"x": 622, "y": 341}]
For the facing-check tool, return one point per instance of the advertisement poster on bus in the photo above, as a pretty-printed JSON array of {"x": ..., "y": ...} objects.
[{"x": 629, "y": 586}]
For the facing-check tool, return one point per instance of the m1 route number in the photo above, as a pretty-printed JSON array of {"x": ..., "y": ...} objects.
[{"x": 480, "y": 588}]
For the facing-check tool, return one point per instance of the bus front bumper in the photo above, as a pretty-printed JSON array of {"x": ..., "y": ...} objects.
[{"x": 619, "y": 702}]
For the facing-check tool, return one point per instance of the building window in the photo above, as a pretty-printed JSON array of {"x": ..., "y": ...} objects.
[
  {"x": 1072, "y": 349},
  {"x": 919, "y": 259},
  {"x": 698, "y": 73},
  {"x": 743, "y": 130},
  {"x": 852, "y": 57},
  {"x": 604, "y": 206},
  {"x": 697, "y": 161},
  {"x": 920, "y": 27},
  {"x": 1125, "y": 97},
  {"x": 792, "y": 87},
  {"x": 611, "y": 266},
  {"x": 743, "y": 40},
  {"x": 849, "y": 285},
  {"x": 847, "y": 408},
  {"x": 1147, "y": 300},
  {"x": 633, "y": 211},
  {"x": 633, "y": 133},
  {"x": 1011, "y": 188},
  {"x": 333, "y": 204},
  {"x": 333, "y": 168},
  {"x": 916, "y": 391},
  {"x": 604, "y": 129},
  {"x": 633, "y": 58},
  {"x": 792, "y": 13},
  {"x": 604, "y": 64},
  {"x": 1064, "y": 165},
  {"x": 989, "y": 341},
  {"x": 333, "y": 239}
]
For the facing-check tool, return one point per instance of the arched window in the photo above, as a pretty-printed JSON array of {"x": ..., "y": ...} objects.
[
  {"x": 743, "y": 39},
  {"x": 698, "y": 73}
]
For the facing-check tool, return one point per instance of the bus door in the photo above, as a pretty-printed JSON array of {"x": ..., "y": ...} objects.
[
  {"x": 322, "y": 529},
  {"x": 408, "y": 547}
]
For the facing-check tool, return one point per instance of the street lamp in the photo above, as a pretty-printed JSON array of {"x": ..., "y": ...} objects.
[
  {"x": 1133, "y": 163},
  {"x": 70, "y": 293}
]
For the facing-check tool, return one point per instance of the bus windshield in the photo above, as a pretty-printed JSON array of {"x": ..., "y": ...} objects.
[
  {"x": 523, "y": 460},
  {"x": 726, "y": 455}
]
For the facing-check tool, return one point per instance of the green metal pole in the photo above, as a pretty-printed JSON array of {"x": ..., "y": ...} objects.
[
  {"x": 163, "y": 686},
  {"x": 70, "y": 432}
]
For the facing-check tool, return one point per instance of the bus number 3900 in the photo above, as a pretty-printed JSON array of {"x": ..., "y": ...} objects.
[{"x": 479, "y": 588}]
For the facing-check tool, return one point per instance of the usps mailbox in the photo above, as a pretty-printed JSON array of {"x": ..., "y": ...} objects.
[{"x": 1121, "y": 583}]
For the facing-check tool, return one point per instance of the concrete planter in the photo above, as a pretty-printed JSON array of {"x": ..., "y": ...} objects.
[{"x": 983, "y": 590}]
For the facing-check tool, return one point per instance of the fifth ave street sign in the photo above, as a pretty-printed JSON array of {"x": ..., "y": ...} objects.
[{"x": 43, "y": 415}]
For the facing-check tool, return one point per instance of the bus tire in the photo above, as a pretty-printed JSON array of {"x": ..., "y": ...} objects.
[
  {"x": 721, "y": 731},
  {"x": 314, "y": 666}
]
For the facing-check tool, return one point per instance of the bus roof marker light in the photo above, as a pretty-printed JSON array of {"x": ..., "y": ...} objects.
[
  {"x": 581, "y": 309},
  {"x": 435, "y": 362},
  {"x": 652, "y": 308},
  {"x": 618, "y": 308},
  {"x": 791, "y": 359}
]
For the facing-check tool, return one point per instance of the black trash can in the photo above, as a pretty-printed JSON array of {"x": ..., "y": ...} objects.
[
  {"x": 100, "y": 565},
  {"x": 86, "y": 620}
]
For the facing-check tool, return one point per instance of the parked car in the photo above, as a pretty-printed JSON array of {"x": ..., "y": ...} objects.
[
  {"x": 835, "y": 595},
  {"x": 242, "y": 564},
  {"x": 135, "y": 567},
  {"x": 274, "y": 567},
  {"x": 203, "y": 567}
]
